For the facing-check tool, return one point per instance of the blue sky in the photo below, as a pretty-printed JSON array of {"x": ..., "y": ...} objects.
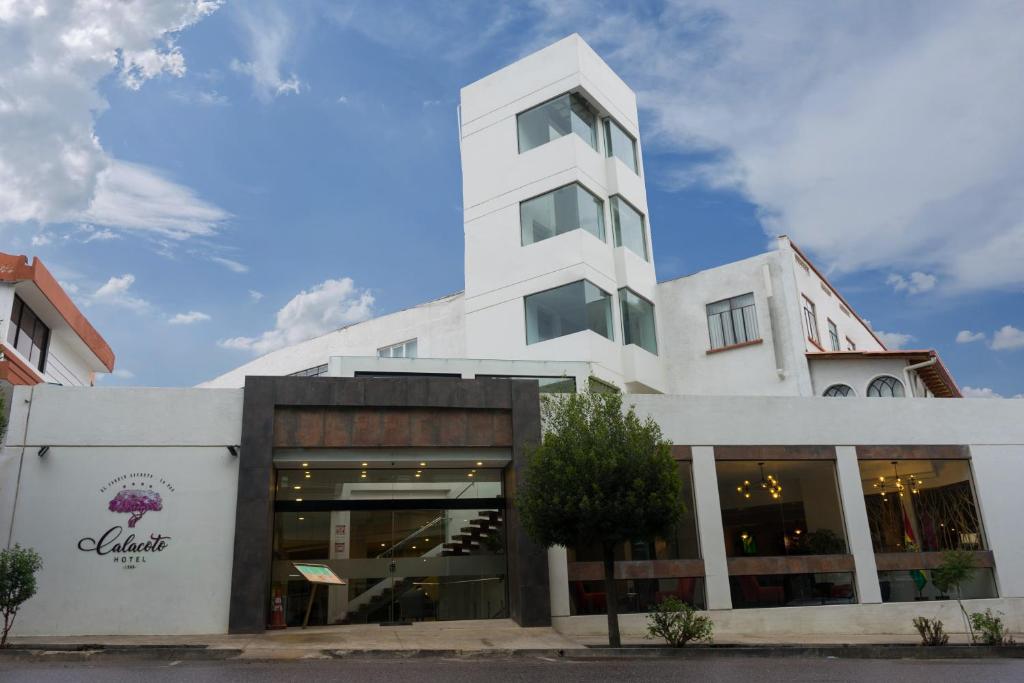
[{"x": 214, "y": 181}]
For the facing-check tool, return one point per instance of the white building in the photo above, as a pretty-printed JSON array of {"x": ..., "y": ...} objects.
[
  {"x": 393, "y": 453},
  {"x": 560, "y": 267}
]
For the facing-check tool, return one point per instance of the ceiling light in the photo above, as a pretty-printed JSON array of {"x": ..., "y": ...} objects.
[
  {"x": 297, "y": 487},
  {"x": 308, "y": 475},
  {"x": 301, "y": 518},
  {"x": 417, "y": 475},
  {"x": 363, "y": 475},
  {"x": 479, "y": 464},
  {"x": 423, "y": 464},
  {"x": 298, "y": 500},
  {"x": 470, "y": 474},
  {"x": 364, "y": 464},
  {"x": 305, "y": 464},
  {"x": 382, "y": 545}
]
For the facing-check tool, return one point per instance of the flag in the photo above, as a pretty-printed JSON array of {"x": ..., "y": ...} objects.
[{"x": 910, "y": 541}]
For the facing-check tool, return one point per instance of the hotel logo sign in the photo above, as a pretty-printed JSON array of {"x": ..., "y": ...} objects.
[{"x": 138, "y": 495}]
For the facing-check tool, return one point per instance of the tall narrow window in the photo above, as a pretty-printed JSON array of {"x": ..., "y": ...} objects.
[
  {"x": 637, "y": 321},
  {"x": 628, "y": 224},
  {"x": 833, "y": 335},
  {"x": 811, "y": 321},
  {"x": 732, "y": 321},
  {"x": 28, "y": 334},
  {"x": 406, "y": 349},
  {"x": 850, "y": 346},
  {"x": 618, "y": 143},
  {"x": 570, "y": 308},
  {"x": 556, "y": 118},
  {"x": 568, "y": 208}
]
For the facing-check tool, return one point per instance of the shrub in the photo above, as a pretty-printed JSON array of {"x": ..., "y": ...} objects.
[
  {"x": 931, "y": 631},
  {"x": 989, "y": 629},
  {"x": 957, "y": 568},
  {"x": 18, "y": 567},
  {"x": 678, "y": 623}
]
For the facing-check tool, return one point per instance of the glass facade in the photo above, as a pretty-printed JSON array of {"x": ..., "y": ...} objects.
[
  {"x": 568, "y": 309},
  {"x": 638, "y": 325},
  {"x": 412, "y": 544},
  {"x": 620, "y": 144},
  {"x": 568, "y": 208},
  {"x": 792, "y": 590},
  {"x": 628, "y": 224},
  {"x": 556, "y": 118},
  {"x": 732, "y": 321}
]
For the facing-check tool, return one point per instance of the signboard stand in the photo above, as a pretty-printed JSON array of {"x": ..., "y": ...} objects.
[{"x": 316, "y": 574}]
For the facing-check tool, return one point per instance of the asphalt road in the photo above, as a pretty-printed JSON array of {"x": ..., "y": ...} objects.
[{"x": 425, "y": 670}]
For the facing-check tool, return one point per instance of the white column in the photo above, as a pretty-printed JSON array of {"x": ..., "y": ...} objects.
[
  {"x": 558, "y": 581},
  {"x": 858, "y": 533},
  {"x": 709, "y": 527}
]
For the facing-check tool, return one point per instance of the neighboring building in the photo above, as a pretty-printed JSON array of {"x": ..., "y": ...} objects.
[
  {"x": 43, "y": 335},
  {"x": 559, "y": 266},
  {"x": 393, "y": 452}
]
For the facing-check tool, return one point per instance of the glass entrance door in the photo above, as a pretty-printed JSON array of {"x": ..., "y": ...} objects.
[{"x": 405, "y": 558}]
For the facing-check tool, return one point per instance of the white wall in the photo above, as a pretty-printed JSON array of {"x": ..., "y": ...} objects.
[
  {"x": 171, "y": 439},
  {"x": 437, "y": 325},
  {"x": 857, "y": 373}
]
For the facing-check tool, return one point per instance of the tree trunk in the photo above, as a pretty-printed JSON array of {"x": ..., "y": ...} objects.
[{"x": 611, "y": 599}]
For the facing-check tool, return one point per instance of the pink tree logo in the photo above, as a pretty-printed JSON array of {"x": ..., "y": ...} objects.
[{"x": 137, "y": 502}]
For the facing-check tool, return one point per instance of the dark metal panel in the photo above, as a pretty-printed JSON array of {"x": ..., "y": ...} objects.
[
  {"x": 637, "y": 569},
  {"x": 775, "y": 453},
  {"x": 793, "y": 564},
  {"x": 913, "y": 452}
]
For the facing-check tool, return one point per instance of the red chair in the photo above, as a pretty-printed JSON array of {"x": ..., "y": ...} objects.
[
  {"x": 684, "y": 590},
  {"x": 589, "y": 602},
  {"x": 755, "y": 593}
]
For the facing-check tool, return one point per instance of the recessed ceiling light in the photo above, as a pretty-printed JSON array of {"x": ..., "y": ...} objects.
[
  {"x": 298, "y": 500},
  {"x": 470, "y": 474},
  {"x": 305, "y": 464},
  {"x": 417, "y": 475},
  {"x": 297, "y": 487},
  {"x": 479, "y": 464},
  {"x": 423, "y": 464},
  {"x": 363, "y": 475},
  {"x": 364, "y": 464},
  {"x": 426, "y": 540},
  {"x": 301, "y": 518},
  {"x": 308, "y": 475},
  {"x": 382, "y": 545},
  {"x": 414, "y": 547}
]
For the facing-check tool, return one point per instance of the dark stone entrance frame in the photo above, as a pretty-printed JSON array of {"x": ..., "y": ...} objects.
[{"x": 529, "y": 603}]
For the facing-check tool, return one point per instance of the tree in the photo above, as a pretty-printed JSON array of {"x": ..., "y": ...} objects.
[
  {"x": 957, "y": 567},
  {"x": 600, "y": 476},
  {"x": 137, "y": 502},
  {"x": 18, "y": 567}
]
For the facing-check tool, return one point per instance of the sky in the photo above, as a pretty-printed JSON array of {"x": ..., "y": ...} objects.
[{"x": 211, "y": 181}]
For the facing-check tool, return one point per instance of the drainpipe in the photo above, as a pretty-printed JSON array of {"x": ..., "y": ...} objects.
[{"x": 917, "y": 366}]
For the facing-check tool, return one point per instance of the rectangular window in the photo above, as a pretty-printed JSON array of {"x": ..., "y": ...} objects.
[
  {"x": 637, "y": 321},
  {"x": 850, "y": 346},
  {"x": 620, "y": 144},
  {"x": 568, "y": 208},
  {"x": 833, "y": 335},
  {"x": 28, "y": 334},
  {"x": 568, "y": 309},
  {"x": 406, "y": 349},
  {"x": 628, "y": 224},
  {"x": 732, "y": 321},
  {"x": 547, "y": 385},
  {"x": 556, "y": 118},
  {"x": 811, "y": 321}
]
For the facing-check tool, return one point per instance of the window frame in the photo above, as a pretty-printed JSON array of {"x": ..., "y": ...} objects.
[
  {"x": 623, "y": 291},
  {"x": 585, "y": 281},
  {"x": 604, "y": 231},
  {"x": 851, "y": 393},
  {"x": 811, "y": 319},
  {"x": 403, "y": 344},
  {"x": 850, "y": 346},
  {"x": 833, "y": 334},
  {"x": 15, "y": 325},
  {"x": 609, "y": 153},
  {"x": 867, "y": 391},
  {"x": 570, "y": 94},
  {"x": 732, "y": 322},
  {"x": 617, "y": 231}
]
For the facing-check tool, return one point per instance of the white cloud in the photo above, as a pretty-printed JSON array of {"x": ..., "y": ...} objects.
[
  {"x": 101, "y": 235},
  {"x": 979, "y": 392},
  {"x": 966, "y": 336},
  {"x": 188, "y": 318},
  {"x": 41, "y": 239},
  {"x": 269, "y": 34},
  {"x": 209, "y": 98},
  {"x": 325, "y": 307},
  {"x": 254, "y": 295},
  {"x": 115, "y": 292},
  {"x": 342, "y": 100},
  {"x": 53, "y": 167},
  {"x": 918, "y": 282},
  {"x": 1008, "y": 338},
  {"x": 123, "y": 373},
  {"x": 862, "y": 131},
  {"x": 233, "y": 266},
  {"x": 894, "y": 340}
]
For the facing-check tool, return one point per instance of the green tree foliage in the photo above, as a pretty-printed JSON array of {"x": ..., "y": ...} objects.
[
  {"x": 989, "y": 629},
  {"x": 931, "y": 631},
  {"x": 957, "y": 568},
  {"x": 18, "y": 567},
  {"x": 600, "y": 476},
  {"x": 678, "y": 623}
]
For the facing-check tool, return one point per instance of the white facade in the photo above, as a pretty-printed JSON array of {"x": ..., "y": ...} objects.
[{"x": 506, "y": 168}]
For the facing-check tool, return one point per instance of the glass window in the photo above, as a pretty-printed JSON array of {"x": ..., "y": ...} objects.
[
  {"x": 548, "y": 385},
  {"x": 628, "y": 224},
  {"x": 850, "y": 346},
  {"x": 732, "y": 321},
  {"x": 565, "y": 114},
  {"x": 780, "y": 507},
  {"x": 885, "y": 387},
  {"x": 568, "y": 208},
  {"x": 915, "y": 584},
  {"x": 811, "y": 320},
  {"x": 833, "y": 335},
  {"x": 597, "y": 386},
  {"x": 637, "y": 321},
  {"x": 568, "y": 309},
  {"x": 838, "y": 391},
  {"x": 316, "y": 371},
  {"x": 792, "y": 590},
  {"x": 635, "y": 595},
  {"x": 28, "y": 334},
  {"x": 620, "y": 144},
  {"x": 922, "y": 505},
  {"x": 406, "y": 349},
  {"x": 361, "y": 484}
]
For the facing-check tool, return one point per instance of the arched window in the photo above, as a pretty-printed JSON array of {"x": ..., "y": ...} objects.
[
  {"x": 886, "y": 387},
  {"x": 838, "y": 391}
]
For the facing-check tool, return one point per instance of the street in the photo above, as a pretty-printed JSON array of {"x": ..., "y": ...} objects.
[{"x": 424, "y": 670}]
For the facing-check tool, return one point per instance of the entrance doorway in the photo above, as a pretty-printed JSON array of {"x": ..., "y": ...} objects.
[{"x": 413, "y": 544}]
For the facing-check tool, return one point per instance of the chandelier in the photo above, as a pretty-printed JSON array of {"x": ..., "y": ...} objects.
[
  {"x": 896, "y": 484},
  {"x": 769, "y": 483}
]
